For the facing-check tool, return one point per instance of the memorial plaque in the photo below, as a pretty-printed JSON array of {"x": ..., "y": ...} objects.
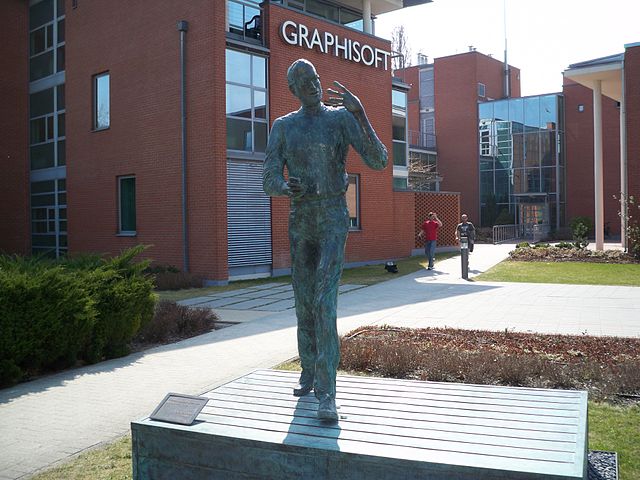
[{"x": 179, "y": 408}]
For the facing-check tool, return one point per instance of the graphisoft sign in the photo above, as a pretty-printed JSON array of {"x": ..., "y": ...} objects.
[{"x": 325, "y": 42}]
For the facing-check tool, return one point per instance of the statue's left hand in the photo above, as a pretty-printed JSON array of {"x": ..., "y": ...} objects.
[{"x": 344, "y": 98}]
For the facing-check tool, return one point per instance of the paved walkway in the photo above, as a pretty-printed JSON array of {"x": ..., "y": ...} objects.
[{"x": 49, "y": 420}]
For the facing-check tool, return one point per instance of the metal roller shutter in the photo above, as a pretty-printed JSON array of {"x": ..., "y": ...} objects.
[{"x": 248, "y": 215}]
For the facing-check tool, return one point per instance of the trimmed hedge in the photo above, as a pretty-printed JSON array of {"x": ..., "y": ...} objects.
[{"x": 53, "y": 314}]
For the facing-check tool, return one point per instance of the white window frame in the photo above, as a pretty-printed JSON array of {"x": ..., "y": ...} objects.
[{"x": 95, "y": 126}]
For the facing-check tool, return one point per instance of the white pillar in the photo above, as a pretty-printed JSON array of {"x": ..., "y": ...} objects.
[
  {"x": 366, "y": 16},
  {"x": 623, "y": 168},
  {"x": 597, "y": 164}
]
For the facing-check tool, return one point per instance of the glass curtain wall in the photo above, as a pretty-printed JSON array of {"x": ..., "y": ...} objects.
[
  {"x": 328, "y": 10},
  {"x": 521, "y": 159},
  {"x": 47, "y": 133}
]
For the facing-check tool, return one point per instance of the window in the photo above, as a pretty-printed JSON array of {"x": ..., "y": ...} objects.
[
  {"x": 399, "y": 127},
  {"x": 244, "y": 20},
  {"x": 49, "y": 218},
  {"x": 101, "y": 101},
  {"x": 399, "y": 99},
  {"x": 246, "y": 98},
  {"x": 46, "y": 39},
  {"x": 482, "y": 90},
  {"x": 353, "y": 202},
  {"x": 127, "y": 205}
]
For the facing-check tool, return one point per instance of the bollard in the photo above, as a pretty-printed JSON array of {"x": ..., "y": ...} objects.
[{"x": 464, "y": 257}]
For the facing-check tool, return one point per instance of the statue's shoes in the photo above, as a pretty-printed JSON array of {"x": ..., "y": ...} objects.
[
  {"x": 327, "y": 410},
  {"x": 301, "y": 389}
]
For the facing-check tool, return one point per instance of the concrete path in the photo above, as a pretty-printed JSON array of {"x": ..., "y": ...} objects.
[{"x": 49, "y": 420}]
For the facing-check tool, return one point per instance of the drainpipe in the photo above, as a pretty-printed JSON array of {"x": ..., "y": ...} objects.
[
  {"x": 624, "y": 205},
  {"x": 183, "y": 26}
]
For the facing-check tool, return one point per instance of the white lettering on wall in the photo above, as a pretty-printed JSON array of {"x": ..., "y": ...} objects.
[{"x": 298, "y": 34}]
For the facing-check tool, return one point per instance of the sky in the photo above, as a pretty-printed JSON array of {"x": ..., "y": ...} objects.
[{"x": 543, "y": 36}]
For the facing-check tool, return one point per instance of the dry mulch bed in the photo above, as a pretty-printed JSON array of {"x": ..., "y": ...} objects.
[{"x": 608, "y": 367}]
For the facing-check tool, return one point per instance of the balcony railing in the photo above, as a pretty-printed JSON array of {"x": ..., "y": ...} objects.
[{"x": 425, "y": 141}]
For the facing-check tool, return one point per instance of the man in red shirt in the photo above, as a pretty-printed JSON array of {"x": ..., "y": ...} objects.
[{"x": 430, "y": 233}]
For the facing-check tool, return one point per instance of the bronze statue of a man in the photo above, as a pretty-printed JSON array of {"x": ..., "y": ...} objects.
[{"x": 312, "y": 143}]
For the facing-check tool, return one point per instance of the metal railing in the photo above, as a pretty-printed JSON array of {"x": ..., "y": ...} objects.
[
  {"x": 534, "y": 232},
  {"x": 422, "y": 140},
  {"x": 504, "y": 233}
]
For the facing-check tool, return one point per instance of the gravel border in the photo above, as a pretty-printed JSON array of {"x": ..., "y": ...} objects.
[{"x": 603, "y": 465}]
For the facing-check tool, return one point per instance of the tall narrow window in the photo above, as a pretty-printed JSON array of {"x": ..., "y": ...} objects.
[
  {"x": 353, "y": 202},
  {"x": 127, "y": 205},
  {"x": 101, "y": 100}
]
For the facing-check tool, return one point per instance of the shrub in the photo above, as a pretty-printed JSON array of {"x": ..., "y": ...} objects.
[
  {"x": 565, "y": 245},
  {"x": 541, "y": 245},
  {"x": 172, "y": 321},
  {"x": 47, "y": 317},
  {"x": 523, "y": 245},
  {"x": 124, "y": 300},
  {"x": 581, "y": 227}
]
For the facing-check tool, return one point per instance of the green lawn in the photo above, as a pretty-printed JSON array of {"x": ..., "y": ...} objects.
[
  {"x": 611, "y": 428},
  {"x": 368, "y": 275},
  {"x": 581, "y": 273}
]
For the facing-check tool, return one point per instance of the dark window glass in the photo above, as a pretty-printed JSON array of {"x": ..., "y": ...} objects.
[
  {"x": 62, "y": 184},
  {"x": 61, "y": 99},
  {"x": 128, "y": 204},
  {"x": 38, "y": 41},
  {"x": 399, "y": 128},
  {"x": 44, "y": 241},
  {"x": 260, "y": 136},
  {"x": 239, "y": 134},
  {"x": 62, "y": 157},
  {"x": 60, "y": 60},
  {"x": 61, "y": 31},
  {"x": 38, "y": 213},
  {"x": 549, "y": 179},
  {"x": 42, "y": 156},
  {"x": 43, "y": 200},
  {"x": 41, "y": 103},
  {"x": 40, "y": 13},
  {"x": 39, "y": 130},
  {"x": 41, "y": 66},
  {"x": 42, "y": 187},
  {"x": 60, "y": 7},
  {"x": 400, "y": 154},
  {"x": 61, "y": 125},
  {"x": 101, "y": 118},
  {"x": 62, "y": 198}
]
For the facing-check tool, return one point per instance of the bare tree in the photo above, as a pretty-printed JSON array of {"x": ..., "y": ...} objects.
[
  {"x": 400, "y": 48},
  {"x": 423, "y": 175}
]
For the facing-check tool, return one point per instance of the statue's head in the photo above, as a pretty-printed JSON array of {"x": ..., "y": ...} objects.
[{"x": 304, "y": 82}]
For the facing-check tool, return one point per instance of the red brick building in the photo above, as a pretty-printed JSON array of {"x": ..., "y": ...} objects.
[{"x": 97, "y": 145}]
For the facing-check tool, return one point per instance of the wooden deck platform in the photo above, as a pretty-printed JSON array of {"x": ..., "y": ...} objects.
[{"x": 253, "y": 428}]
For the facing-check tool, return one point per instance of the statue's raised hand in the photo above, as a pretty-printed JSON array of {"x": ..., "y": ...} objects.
[{"x": 344, "y": 98}]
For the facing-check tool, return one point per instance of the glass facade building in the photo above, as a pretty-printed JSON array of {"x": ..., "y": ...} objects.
[{"x": 521, "y": 157}]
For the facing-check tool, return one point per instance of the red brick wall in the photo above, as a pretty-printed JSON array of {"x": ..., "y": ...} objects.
[
  {"x": 140, "y": 48},
  {"x": 456, "y": 99},
  {"x": 411, "y": 76},
  {"x": 632, "y": 79},
  {"x": 579, "y": 155},
  {"x": 447, "y": 206},
  {"x": 14, "y": 123},
  {"x": 381, "y": 210}
]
